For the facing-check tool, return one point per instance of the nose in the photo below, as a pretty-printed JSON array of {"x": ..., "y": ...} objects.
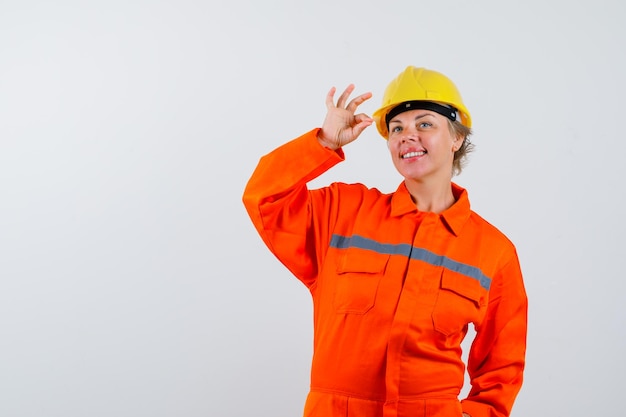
[{"x": 409, "y": 134}]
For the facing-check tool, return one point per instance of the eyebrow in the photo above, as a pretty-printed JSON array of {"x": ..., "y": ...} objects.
[{"x": 419, "y": 116}]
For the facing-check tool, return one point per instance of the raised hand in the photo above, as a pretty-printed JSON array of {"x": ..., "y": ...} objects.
[{"x": 341, "y": 126}]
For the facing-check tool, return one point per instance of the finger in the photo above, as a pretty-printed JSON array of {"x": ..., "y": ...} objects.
[
  {"x": 330, "y": 98},
  {"x": 343, "y": 98},
  {"x": 363, "y": 118},
  {"x": 357, "y": 101}
]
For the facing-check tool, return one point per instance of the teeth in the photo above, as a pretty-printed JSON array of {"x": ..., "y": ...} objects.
[{"x": 412, "y": 154}]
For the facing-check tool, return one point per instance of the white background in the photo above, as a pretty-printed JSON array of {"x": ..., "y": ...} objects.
[{"x": 132, "y": 282}]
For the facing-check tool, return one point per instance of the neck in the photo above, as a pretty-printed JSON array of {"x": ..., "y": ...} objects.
[{"x": 430, "y": 197}]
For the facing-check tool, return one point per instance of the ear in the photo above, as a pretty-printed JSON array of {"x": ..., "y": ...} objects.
[{"x": 458, "y": 142}]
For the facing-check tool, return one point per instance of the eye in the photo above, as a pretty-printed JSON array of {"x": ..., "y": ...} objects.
[
  {"x": 396, "y": 129},
  {"x": 424, "y": 125}
]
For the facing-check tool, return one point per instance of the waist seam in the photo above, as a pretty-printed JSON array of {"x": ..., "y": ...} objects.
[{"x": 383, "y": 400}]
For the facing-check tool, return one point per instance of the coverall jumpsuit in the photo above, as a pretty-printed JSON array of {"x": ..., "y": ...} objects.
[{"x": 394, "y": 290}]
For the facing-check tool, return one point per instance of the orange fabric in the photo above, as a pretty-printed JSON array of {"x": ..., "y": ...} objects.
[{"x": 394, "y": 291}]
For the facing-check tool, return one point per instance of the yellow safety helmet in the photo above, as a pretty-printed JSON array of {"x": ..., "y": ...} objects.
[{"x": 421, "y": 88}]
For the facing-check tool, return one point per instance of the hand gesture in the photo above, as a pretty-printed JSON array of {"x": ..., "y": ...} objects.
[{"x": 341, "y": 126}]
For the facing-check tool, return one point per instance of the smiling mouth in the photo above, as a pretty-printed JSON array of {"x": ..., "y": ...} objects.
[{"x": 413, "y": 154}]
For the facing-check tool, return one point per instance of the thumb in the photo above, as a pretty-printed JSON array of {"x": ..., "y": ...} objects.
[{"x": 362, "y": 125}]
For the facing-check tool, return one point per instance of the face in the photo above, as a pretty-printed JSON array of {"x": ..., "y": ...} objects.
[{"x": 422, "y": 145}]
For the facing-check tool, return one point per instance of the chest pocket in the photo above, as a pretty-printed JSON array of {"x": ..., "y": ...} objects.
[
  {"x": 359, "y": 273},
  {"x": 461, "y": 300}
]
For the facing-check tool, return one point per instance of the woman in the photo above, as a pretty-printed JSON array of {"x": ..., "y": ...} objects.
[{"x": 396, "y": 278}]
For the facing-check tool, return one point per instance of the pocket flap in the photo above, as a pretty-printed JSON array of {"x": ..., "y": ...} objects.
[{"x": 464, "y": 286}]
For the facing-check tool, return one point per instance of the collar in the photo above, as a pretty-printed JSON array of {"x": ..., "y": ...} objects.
[{"x": 454, "y": 217}]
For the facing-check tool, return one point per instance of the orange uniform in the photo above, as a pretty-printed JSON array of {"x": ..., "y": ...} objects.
[{"x": 394, "y": 290}]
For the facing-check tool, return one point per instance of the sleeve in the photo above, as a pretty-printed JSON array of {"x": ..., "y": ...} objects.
[
  {"x": 497, "y": 356},
  {"x": 278, "y": 201}
]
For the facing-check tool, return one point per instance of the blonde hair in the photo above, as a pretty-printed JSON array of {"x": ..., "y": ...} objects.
[{"x": 461, "y": 155}]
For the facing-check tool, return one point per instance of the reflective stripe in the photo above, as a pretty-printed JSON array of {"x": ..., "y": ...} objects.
[{"x": 412, "y": 252}]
